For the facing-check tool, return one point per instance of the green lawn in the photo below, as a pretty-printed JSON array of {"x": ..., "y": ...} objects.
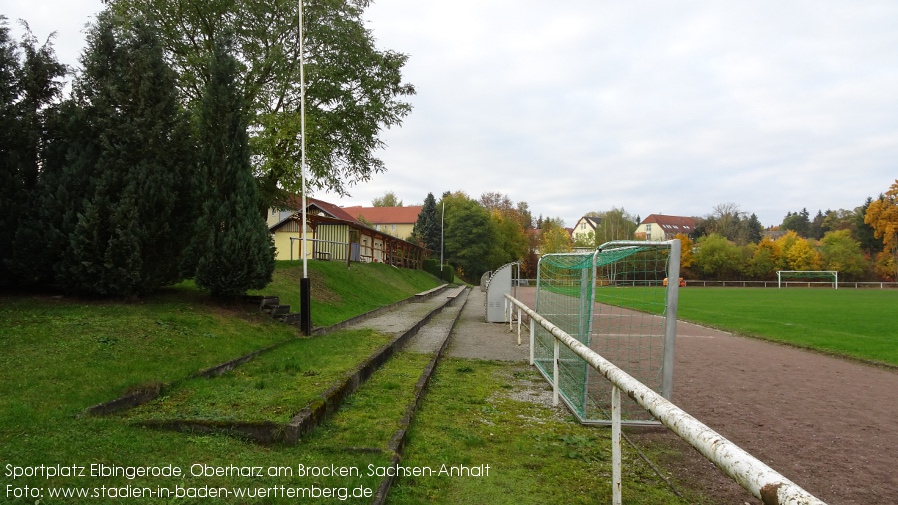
[
  {"x": 852, "y": 322},
  {"x": 857, "y": 323},
  {"x": 61, "y": 355}
]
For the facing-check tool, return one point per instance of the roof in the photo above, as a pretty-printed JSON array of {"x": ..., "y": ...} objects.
[
  {"x": 385, "y": 215},
  {"x": 295, "y": 202},
  {"x": 671, "y": 224},
  {"x": 592, "y": 221}
]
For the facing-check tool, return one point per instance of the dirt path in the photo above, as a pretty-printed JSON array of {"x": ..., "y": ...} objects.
[{"x": 828, "y": 424}]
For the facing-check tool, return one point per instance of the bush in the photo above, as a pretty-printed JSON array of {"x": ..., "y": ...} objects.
[
  {"x": 431, "y": 266},
  {"x": 448, "y": 273}
]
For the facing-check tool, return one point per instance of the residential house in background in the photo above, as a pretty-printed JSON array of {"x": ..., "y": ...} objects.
[
  {"x": 658, "y": 227},
  {"x": 396, "y": 221},
  {"x": 584, "y": 226},
  {"x": 334, "y": 234}
]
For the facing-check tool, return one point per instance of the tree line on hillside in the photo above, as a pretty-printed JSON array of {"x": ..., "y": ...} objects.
[
  {"x": 118, "y": 189},
  {"x": 480, "y": 235},
  {"x": 727, "y": 244}
]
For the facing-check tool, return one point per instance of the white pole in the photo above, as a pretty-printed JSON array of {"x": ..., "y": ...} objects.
[
  {"x": 442, "y": 220},
  {"x": 615, "y": 446},
  {"x": 555, "y": 381},
  {"x": 302, "y": 129}
]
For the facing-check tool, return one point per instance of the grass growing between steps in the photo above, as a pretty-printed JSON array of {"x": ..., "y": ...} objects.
[
  {"x": 370, "y": 417},
  {"x": 477, "y": 413},
  {"x": 339, "y": 293},
  {"x": 273, "y": 387}
]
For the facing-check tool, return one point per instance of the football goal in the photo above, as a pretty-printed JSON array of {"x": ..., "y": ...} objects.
[
  {"x": 808, "y": 277},
  {"x": 615, "y": 300}
]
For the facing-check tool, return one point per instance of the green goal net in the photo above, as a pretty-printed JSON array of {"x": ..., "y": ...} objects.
[{"x": 616, "y": 300}]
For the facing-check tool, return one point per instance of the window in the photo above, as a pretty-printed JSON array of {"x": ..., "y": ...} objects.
[
  {"x": 394, "y": 227},
  {"x": 648, "y": 232},
  {"x": 582, "y": 226}
]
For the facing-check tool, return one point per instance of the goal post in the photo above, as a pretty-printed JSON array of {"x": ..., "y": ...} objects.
[{"x": 807, "y": 274}]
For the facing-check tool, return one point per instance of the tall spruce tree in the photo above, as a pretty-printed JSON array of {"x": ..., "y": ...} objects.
[
  {"x": 234, "y": 248},
  {"x": 10, "y": 186},
  {"x": 128, "y": 178},
  {"x": 29, "y": 93},
  {"x": 427, "y": 227}
]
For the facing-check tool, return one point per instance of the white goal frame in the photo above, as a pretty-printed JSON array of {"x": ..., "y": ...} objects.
[{"x": 805, "y": 273}]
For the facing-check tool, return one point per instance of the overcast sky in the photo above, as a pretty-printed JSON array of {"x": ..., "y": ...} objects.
[{"x": 653, "y": 106}]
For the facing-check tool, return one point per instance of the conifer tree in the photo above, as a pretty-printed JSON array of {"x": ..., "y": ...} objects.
[
  {"x": 10, "y": 188},
  {"x": 128, "y": 179},
  {"x": 29, "y": 91},
  {"x": 233, "y": 246},
  {"x": 427, "y": 227}
]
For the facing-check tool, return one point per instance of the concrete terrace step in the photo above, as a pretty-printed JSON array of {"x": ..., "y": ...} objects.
[
  {"x": 431, "y": 336},
  {"x": 403, "y": 321}
]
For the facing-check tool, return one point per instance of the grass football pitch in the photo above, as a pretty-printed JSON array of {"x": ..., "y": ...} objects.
[{"x": 850, "y": 322}]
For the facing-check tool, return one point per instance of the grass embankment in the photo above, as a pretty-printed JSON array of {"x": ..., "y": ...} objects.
[
  {"x": 339, "y": 292},
  {"x": 62, "y": 355}
]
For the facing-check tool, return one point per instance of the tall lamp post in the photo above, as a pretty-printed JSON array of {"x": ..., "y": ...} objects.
[{"x": 305, "y": 285}]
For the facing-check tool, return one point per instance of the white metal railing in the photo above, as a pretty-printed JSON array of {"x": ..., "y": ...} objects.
[{"x": 749, "y": 472}]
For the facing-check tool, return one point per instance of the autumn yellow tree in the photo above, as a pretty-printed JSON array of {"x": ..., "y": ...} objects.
[
  {"x": 882, "y": 215},
  {"x": 687, "y": 258},
  {"x": 802, "y": 257},
  {"x": 553, "y": 237},
  {"x": 796, "y": 253}
]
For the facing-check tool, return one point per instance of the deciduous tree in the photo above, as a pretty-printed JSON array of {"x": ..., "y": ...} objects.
[
  {"x": 388, "y": 200},
  {"x": 882, "y": 215},
  {"x": 717, "y": 258},
  {"x": 553, "y": 237},
  {"x": 353, "y": 89},
  {"x": 841, "y": 252},
  {"x": 469, "y": 236},
  {"x": 616, "y": 224}
]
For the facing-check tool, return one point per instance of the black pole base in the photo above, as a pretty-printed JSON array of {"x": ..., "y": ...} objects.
[{"x": 305, "y": 306}]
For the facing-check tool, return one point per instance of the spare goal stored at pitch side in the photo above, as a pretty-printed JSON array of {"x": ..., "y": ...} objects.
[
  {"x": 617, "y": 301},
  {"x": 808, "y": 275}
]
